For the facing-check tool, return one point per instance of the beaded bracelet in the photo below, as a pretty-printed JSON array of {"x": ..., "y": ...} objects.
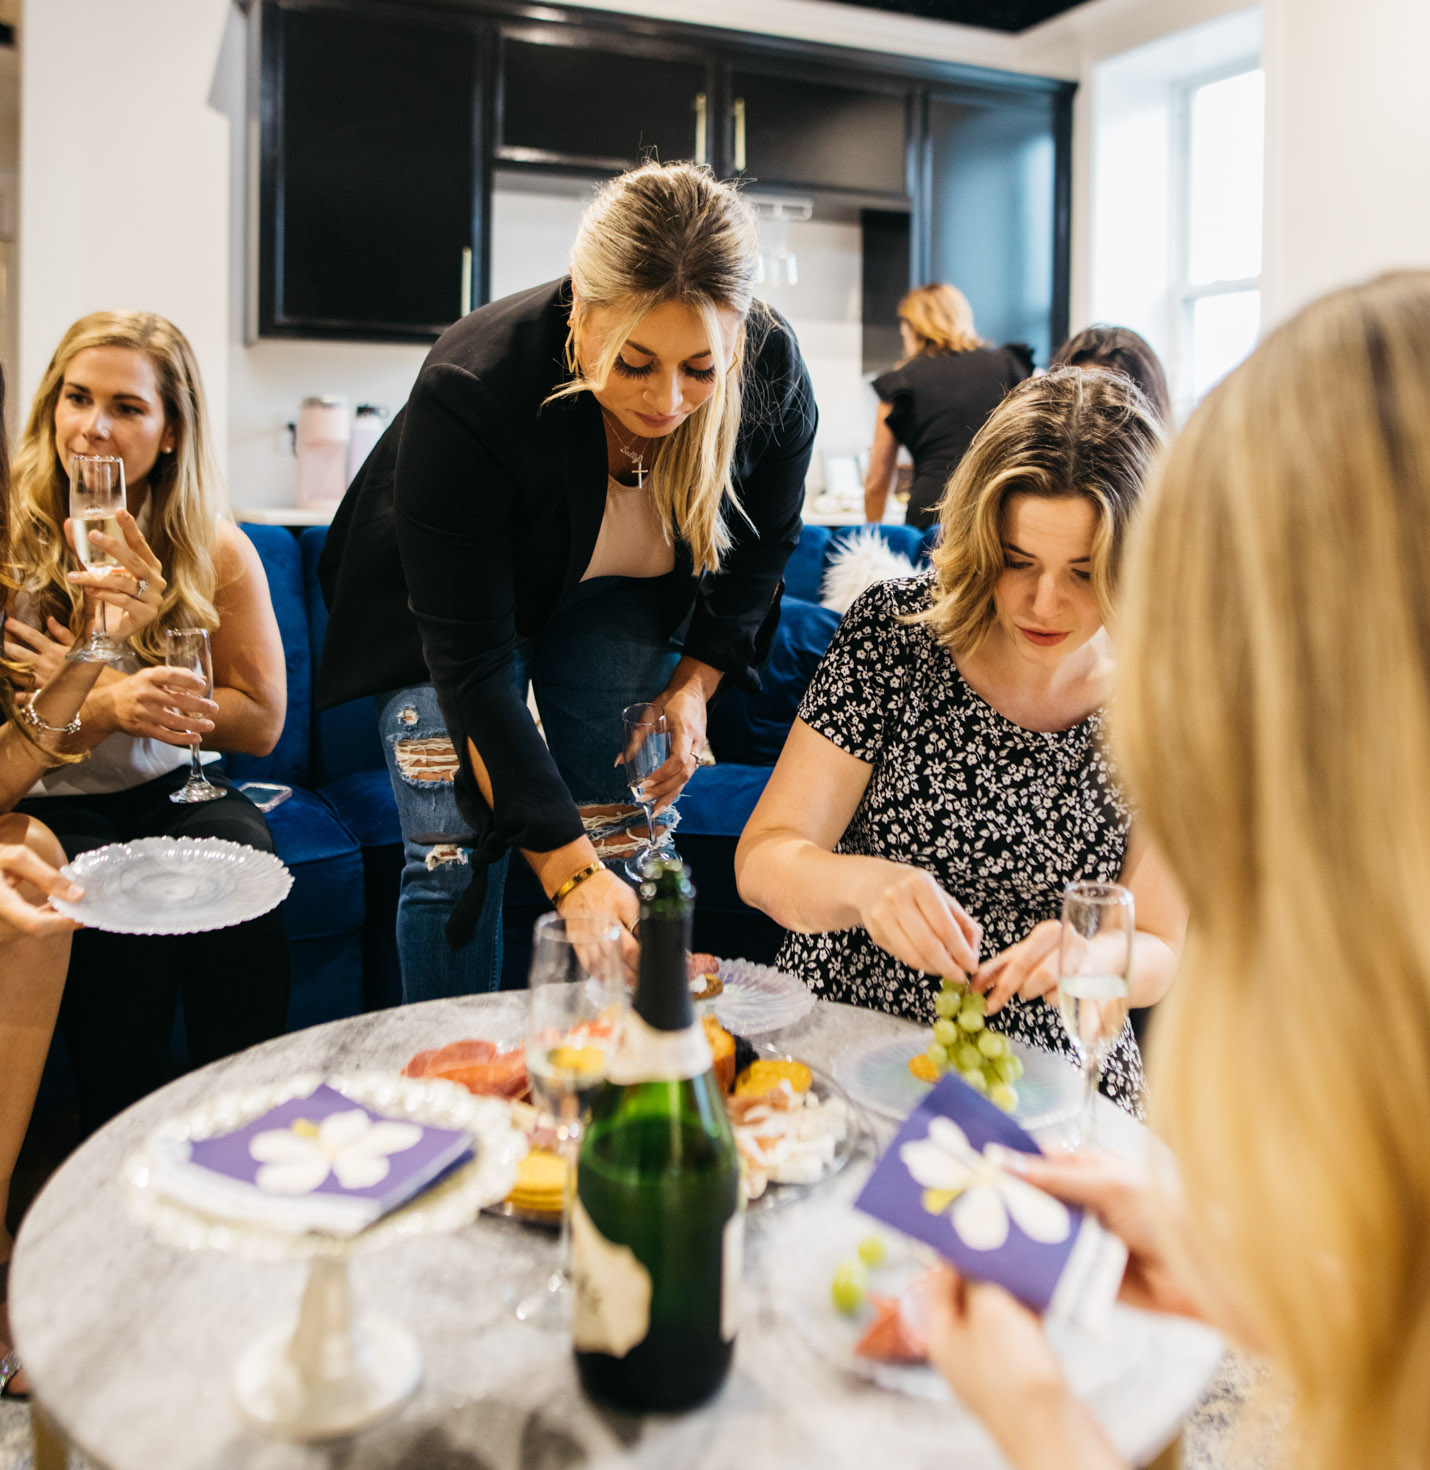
[
  {"x": 32, "y": 717},
  {"x": 576, "y": 880}
]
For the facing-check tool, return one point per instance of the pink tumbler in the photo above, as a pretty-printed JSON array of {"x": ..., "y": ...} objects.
[{"x": 322, "y": 444}]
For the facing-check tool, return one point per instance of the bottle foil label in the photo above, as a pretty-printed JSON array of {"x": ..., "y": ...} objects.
[
  {"x": 732, "y": 1259},
  {"x": 643, "y": 1054},
  {"x": 611, "y": 1312}
]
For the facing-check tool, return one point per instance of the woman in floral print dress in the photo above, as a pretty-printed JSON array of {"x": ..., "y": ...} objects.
[{"x": 948, "y": 774}]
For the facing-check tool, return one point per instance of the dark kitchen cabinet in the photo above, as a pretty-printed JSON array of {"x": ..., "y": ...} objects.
[
  {"x": 588, "y": 100},
  {"x": 818, "y": 133},
  {"x": 370, "y": 166},
  {"x": 995, "y": 210}
]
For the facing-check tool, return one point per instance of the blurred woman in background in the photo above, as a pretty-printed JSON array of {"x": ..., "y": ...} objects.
[
  {"x": 1274, "y": 719},
  {"x": 1120, "y": 350},
  {"x": 936, "y": 399}
]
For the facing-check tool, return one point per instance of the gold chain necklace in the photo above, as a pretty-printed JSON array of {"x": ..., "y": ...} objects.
[{"x": 635, "y": 456}]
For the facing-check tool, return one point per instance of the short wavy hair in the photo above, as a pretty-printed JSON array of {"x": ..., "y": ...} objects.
[{"x": 1070, "y": 432}]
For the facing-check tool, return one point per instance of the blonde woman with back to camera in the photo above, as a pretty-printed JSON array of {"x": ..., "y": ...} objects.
[
  {"x": 126, "y": 384},
  {"x": 1274, "y": 720}
]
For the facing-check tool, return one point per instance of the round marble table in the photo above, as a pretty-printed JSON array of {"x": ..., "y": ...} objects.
[{"x": 131, "y": 1344}]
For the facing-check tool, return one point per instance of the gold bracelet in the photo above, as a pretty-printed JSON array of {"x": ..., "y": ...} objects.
[{"x": 576, "y": 880}]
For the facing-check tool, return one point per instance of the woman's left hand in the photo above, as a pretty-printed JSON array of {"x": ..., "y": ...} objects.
[
  {"x": 43, "y": 655},
  {"x": 1026, "y": 969},
  {"x": 135, "y": 588}
]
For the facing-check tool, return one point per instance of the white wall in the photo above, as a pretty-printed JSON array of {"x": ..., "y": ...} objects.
[
  {"x": 1347, "y": 144},
  {"x": 124, "y": 183}
]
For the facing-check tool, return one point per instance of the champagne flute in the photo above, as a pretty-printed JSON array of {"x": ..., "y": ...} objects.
[
  {"x": 646, "y": 749},
  {"x": 1094, "y": 982},
  {"x": 96, "y": 498},
  {"x": 188, "y": 648},
  {"x": 574, "y": 1002}
]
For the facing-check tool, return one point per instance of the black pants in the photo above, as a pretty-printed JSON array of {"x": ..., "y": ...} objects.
[{"x": 117, "y": 1014}]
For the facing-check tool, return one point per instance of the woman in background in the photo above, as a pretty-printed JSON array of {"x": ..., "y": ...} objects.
[
  {"x": 936, "y": 399},
  {"x": 946, "y": 777},
  {"x": 1120, "y": 350},
  {"x": 127, "y": 384},
  {"x": 1274, "y": 719}
]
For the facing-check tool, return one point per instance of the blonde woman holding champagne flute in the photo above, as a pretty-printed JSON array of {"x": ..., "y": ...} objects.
[{"x": 125, "y": 386}]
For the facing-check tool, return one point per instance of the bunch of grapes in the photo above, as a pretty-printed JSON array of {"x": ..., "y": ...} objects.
[{"x": 963, "y": 1043}]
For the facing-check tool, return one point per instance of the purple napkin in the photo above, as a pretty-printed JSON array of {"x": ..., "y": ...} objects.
[{"x": 937, "y": 1184}]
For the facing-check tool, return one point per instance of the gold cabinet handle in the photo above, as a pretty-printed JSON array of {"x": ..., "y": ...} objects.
[
  {"x": 466, "y": 279},
  {"x": 739, "y": 135},
  {"x": 700, "y": 126}
]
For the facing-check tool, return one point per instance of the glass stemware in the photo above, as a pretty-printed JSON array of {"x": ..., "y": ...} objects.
[
  {"x": 96, "y": 498},
  {"x": 576, "y": 996},
  {"x": 188, "y": 648},
  {"x": 647, "y": 747},
  {"x": 1094, "y": 982}
]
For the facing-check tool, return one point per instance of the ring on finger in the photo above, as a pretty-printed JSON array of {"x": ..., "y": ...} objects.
[{"x": 142, "y": 588}]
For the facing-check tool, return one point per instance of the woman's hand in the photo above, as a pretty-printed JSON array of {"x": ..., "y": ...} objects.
[
  {"x": 995, "y": 1355},
  {"x": 161, "y": 703},
  {"x": 43, "y": 655},
  {"x": 135, "y": 588},
  {"x": 21, "y": 916},
  {"x": 604, "y": 893},
  {"x": 1026, "y": 969},
  {"x": 684, "y": 702},
  {"x": 907, "y": 913},
  {"x": 1120, "y": 1196}
]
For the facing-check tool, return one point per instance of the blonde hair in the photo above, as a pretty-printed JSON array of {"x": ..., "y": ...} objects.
[
  {"x": 1071, "y": 432},
  {"x": 1274, "y": 721},
  {"x": 662, "y": 233},
  {"x": 941, "y": 318},
  {"x": 184, "y": 486}
]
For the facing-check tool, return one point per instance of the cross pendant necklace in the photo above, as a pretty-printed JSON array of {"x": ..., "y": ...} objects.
[{"x": 635, "y": 456}]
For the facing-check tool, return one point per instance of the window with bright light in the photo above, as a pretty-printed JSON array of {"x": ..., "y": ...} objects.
[{"x": 1219, "y": 270}]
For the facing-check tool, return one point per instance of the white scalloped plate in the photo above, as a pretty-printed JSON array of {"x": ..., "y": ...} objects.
[
  {"x": 758, "y": 998},
  {"x": 174, "y": 885}
]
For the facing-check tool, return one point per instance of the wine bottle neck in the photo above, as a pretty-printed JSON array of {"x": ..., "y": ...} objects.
[{"x": 662, "y": 997}]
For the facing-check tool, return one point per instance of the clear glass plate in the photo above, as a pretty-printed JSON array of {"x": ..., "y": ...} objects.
[
  {"x": 1091, "y": 1361},
  {"x": 174, "y": 885},
  {"x": 1049, "y": 1091},
  {"x": 758, "y": 998}
]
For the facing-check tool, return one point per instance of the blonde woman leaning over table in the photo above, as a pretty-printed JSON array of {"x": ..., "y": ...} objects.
[
  {"x": 127, "y": 384},
  {"x": 947, "y": 777},
  {"x": 34, "y": 939},
  {"x": 1274, "y": 719}
]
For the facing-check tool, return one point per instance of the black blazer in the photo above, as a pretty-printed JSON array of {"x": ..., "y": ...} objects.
[{"x": 476, "y": 514}]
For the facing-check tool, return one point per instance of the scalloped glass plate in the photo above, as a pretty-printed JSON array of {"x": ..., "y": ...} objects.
[
  {"x": 758, "y": 998},
  {"x": 453, "y": 1201},
  {"x": 174, "y": 885},
  {"x": 1049, "y": 1091}
]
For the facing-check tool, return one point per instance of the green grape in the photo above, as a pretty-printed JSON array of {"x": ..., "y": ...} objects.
[
  {"x": 966, "y": 1058},
  {"x": 937, "y": 1055},
  {"x": 970, "y": 1021},
  {"x": 847, "y": 1288},
  {"x": 952, "y": 986},
  {"x": 1003, "y": 1096},
  {"x": 975, "y": 1001},
  {"x": 992, "y": 1044},
  {"x": 1010, "y": 1067},
  {"x": 976, "y": 1080},
  {"x": 945, "y": 1033},
  {"x": 946, "y": 1003},
  {"x": 872, "y": 1250}
]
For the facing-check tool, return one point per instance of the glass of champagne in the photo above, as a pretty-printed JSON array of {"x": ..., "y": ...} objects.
[
  {"x": 96, "y": 498},
  {"x": 575, "y": 999},
  {"x": 646, "y": 749},
  {"x": 1094, "y": 982},
  {"x": 188, "y": 648}
]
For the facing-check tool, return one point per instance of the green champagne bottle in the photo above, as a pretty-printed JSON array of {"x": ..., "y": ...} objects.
[{"x": 657, "y": 1223}]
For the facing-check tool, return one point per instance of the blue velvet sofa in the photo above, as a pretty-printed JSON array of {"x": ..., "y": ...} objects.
[{"x": 338, "y": 832}]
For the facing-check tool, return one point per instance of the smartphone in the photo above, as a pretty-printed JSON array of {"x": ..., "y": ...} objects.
[{"x": 265, "y": 795}]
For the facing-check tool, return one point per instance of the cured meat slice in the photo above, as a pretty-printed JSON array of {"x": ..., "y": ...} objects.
[{"x": 456, "y": 1053}]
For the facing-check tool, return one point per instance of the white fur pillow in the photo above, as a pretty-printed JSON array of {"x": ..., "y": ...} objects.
[{"x": 863, "y": 559}]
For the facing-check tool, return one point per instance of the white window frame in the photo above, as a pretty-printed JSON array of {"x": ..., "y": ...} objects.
[{"x": 1185, "y": 295}]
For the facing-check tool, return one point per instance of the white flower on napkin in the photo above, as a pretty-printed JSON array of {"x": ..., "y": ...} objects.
[
  {"x": 982, "y": 1195},
  {"x": 350, "y": 1145}
]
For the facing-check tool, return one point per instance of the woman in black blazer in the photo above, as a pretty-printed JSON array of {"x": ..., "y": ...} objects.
[{"x": 594, "y": 488}]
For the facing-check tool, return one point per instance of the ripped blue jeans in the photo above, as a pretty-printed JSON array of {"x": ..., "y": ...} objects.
[{"x": 605, "y": 649}]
